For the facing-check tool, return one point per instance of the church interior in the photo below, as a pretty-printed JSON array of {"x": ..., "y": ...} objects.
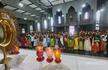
[{"x": 53, "y": 34}]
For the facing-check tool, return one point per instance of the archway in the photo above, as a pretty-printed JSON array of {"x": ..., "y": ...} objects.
[
  {"x": 59, "y": 21},
  {"x": 87, "y": 18},
  {"x": 71, "y": 16}
]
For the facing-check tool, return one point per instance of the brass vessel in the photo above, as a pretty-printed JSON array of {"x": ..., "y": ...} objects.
[{"x": 7, "y": 35}]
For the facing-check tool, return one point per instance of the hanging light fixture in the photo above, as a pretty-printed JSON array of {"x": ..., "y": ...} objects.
[
  {"x": 21, "y": 4},
  {"x": 84, "y": 5},
  {"x": 25, "y": 18}
]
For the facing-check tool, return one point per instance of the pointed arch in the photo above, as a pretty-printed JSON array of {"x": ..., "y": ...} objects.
[
  {"x": 71, "y": 9},
  {"x": 87, "y": 8},
  {"x": 71, "y": 16}
]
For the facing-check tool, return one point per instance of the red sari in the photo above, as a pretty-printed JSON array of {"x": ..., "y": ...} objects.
[
  {"x": 26, "y": 42},
  {"x": 95, "y": 48}
]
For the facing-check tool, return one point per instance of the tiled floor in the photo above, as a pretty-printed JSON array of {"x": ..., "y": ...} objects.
[{"x": 26, "y": 60}]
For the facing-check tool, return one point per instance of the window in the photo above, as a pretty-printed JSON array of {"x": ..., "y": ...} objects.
[
  {"x": 23, "y": 30},
  {"x": 86, "y": 16},
  {"x": 52, "y": 25},
  {"x": 59, "y": 19},
  {"x": 52, "y": 22},
  {"x": 45, "y": 24},
  {"x": 31, "y": 28},
  {"x": 98, "y": 16},
  {"x": 38, "y": 27}
]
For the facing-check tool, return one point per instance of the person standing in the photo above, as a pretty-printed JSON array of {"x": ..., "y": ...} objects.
[
  {"x": 29, "y": 39},
  {"x": 32, "y": 40},
  {"x": 81, "y": 44},
  {"x": 57, "y": 40},
  {"x": 76, "y": 43},
  {"x": 97, "y": 40},
  {"x": 44, "y": 42},
  {"x": 70, "y": 44},
  {"x": 61, "y": 42},
  {"x": 35, "y": 41},
  {"x": 22, "y": 41},
  {"x": 52, "y": 41},
  {"x": 104, "y": 42},
  {"x": 87, "y": 45},
  {"x": 65, "y": 39},
  {"x": 107, "y": 46}
]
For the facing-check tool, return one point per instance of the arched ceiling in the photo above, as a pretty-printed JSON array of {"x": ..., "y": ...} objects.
[
  {"x": 50, "y": 3},
  {"x": 32, "y": 9}
]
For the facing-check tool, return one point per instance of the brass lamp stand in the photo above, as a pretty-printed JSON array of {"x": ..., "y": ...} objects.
[
  {"x": 5, "y": 60},
  {"x": 7, "y": 37}
]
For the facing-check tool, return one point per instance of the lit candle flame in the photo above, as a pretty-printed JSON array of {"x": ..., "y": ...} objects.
[
  {"x": 57, "y": 54},
  {"x": 49, "y": 52}
]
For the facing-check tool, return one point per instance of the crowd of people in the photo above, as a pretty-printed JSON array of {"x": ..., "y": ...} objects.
[{"x": 82, "y": 42}]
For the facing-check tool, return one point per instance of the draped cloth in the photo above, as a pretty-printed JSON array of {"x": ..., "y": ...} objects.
[
  {"x": 81, "y": 44},
  {"x": 52, "y": 42},
  {"x": 76, "y": 43},
  {"x": 70, "y": 42},
  {"x": 87, "y": 44}
]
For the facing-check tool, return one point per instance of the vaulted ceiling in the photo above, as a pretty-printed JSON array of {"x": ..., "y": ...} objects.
[
  {"x": 54, "y": 2},
  {"x": 32, "y": 9}
]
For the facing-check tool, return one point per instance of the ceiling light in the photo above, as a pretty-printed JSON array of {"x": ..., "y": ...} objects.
[
  {"x": 79, "y": 13},
  {"x": 9, "y": 7},
  {"x": 26, "y": 2},
  {"x": 27, "y": 13},
  {"x": 21, "y": 4},
  {"x": 33, "y": 15},
  {"x": 58, "y": 10},
  {"x": 62, "y": 15},
  {"x": 84, "y": 5},
  {"x": 20, "y": 11},
  {"x": 33, "y": 6},
  {"x": 57, "y": 2},
  {"x": 25, "y": 18},
  {"x": 42, "y": 11},
  {"x": 102, "y": 9},
  {"x": 38, "y": 8}
]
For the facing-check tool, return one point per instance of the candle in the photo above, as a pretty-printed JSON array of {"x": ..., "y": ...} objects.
[
  {"x": 49, "y": 52},
  {"x": 57, "y": 55},
  {"x": 15, "y": 50},
  {"x": 40, "y": 52}
]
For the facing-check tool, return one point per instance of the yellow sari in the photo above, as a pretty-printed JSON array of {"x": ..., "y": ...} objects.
[{"x": 76, "y": 43}]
